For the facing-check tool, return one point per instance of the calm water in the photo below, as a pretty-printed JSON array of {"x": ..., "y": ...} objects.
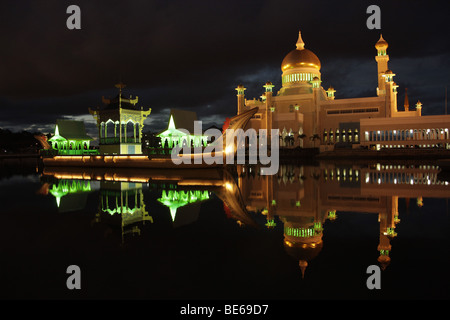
[{"x": 308, "y": 233}]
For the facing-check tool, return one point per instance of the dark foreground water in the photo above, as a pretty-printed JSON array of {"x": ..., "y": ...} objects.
[{"x": 143, "y": 236}]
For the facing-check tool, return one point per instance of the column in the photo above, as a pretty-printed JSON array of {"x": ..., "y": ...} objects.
[{"x": 120, "y": 131}]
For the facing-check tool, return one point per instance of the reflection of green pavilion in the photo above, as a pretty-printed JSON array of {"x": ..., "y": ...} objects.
[
  {"x": 175, "y": 199},
  {"x": 70, "y": 138},
  {"x": 126, "y": 199},
  {"x": 70, "y": 195}
]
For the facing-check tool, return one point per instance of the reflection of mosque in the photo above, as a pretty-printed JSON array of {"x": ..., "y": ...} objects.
[
  {"x": 305, "y": 197},
  {"x": 302, "y": 197}
]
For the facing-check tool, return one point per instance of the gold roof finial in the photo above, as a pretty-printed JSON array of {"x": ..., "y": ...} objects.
[
  {"x": 300, "y": 44},
  {"x": 120, "y": 86}
]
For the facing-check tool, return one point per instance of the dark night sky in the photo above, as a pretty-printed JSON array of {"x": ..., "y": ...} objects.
[{"x": 192, "y": 54}]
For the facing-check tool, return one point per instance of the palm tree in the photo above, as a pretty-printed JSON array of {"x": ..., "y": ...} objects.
[
  {"x": 301, "y": 136},
  {"x": 289, "y": 140},
  {"x": 314, "y": 137}
]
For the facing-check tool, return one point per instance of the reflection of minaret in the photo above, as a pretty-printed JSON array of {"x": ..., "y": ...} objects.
[{"x": 388, "y": 221}]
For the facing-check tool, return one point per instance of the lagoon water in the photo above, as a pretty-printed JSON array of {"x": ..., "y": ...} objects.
[{"x": 309, "y": 232}]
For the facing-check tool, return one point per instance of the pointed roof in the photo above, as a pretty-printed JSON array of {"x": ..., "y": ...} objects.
[
  {"x": 406, "y": 104},
  {"x": 180, "y": 119},
  {"x": 300, "y": 44},
  {"x": 70, "y": 130},
  {"x": 183, "y": 119},
  {"x": 300, "y": 57}
]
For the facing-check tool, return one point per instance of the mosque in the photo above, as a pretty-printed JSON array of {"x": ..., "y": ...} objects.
[{"x": 308, "y": 116}]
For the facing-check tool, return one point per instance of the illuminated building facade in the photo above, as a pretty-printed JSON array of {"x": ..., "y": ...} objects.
[
  {"x": 307, "y": 115},
  {"x": 120, "y": 123}
]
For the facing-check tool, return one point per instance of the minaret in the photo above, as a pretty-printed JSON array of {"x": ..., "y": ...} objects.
[
  {"x": 316, "y": 91},
  {"x": 390, "y": 93},
  {"x": 330, "y": 93},
  {"x": 419, "y": 108},
  {"x": 241, "y": 98},
  {"x": 382, "y": 59},
  {"x": 269, "y": 88},
  {"x": 406, "y": 104}
]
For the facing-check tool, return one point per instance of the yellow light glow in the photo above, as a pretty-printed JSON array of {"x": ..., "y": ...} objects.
[
  {"x": 229, "y": 149},
  {"x": 229, "y": 186}
]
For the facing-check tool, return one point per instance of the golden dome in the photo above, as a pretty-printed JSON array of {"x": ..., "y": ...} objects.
[
  {"x": 300, "y": 57},
  {"x": 381, "y": 44}
]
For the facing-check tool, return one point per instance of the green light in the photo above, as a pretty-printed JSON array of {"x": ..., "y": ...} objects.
[
  {"x": 271, "y": 223},
  {"x": 171, "y": 124},
  {"x": 174, "y": 199},
  {"x": 299, "y": 232}
]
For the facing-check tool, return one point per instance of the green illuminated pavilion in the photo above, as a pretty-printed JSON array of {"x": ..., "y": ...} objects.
[
  {"x": 172, "y": 136},
  {"x": 70, "y": 138}
]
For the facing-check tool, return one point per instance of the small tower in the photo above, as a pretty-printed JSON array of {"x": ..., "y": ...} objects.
[
  {"x": 419, "y": 108},
  {"x": 120, "y": 124},
  {"x": 406, "y": 103},
  {"x": 382, "y": 59},
  {"x": 269, "y": 105},
  {"x": 330, "y": 93},
  {"x": 269, "y": 87},
  {"x": 241, "y": 98},
  {"x": 390, "y": 93}
]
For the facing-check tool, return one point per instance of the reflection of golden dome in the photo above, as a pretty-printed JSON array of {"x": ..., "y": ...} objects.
[
  {"x": 303, "y": 252},
  {"x": 384, "y": 261},
  {"x": 300, "y": 57}
]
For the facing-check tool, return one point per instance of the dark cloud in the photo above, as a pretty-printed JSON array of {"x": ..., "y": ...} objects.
[{"x": 192, "y": 54}]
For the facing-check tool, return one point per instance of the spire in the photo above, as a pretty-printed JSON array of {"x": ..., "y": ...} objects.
[
  {"x": 406, "y": 104},
  {"x": 300, "y": 44},
  {"x": 303, "y": 264},
  {"x": 120, "y": 86}
]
